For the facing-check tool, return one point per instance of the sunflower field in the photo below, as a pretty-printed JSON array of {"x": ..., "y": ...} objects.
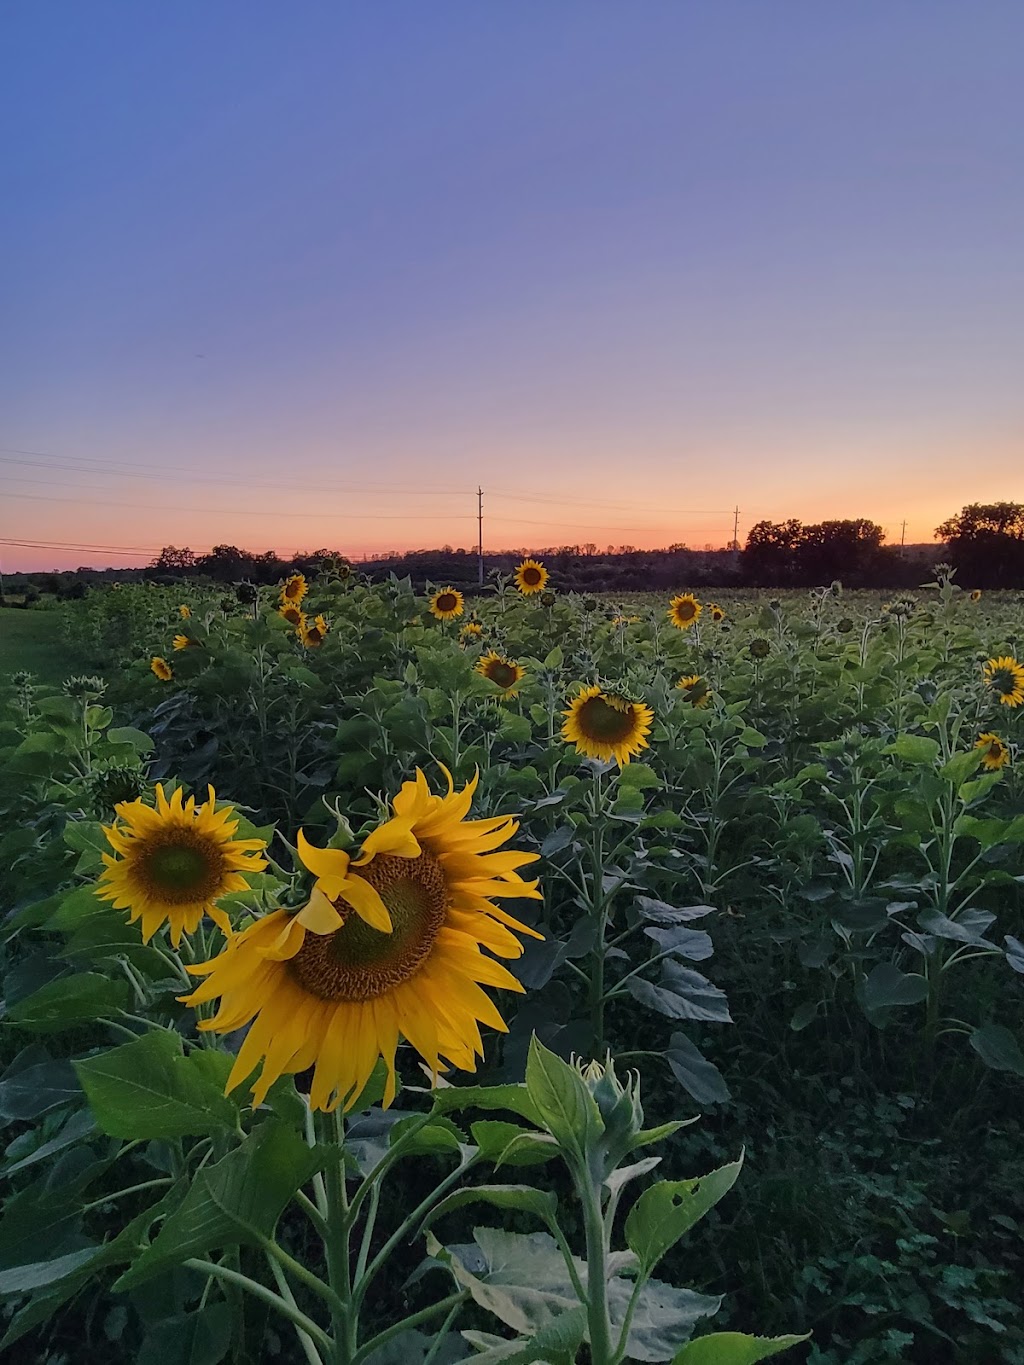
[{"x": 514, "y": 976}]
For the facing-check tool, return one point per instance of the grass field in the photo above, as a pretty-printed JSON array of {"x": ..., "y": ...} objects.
[{"x": 27, "y": 643}]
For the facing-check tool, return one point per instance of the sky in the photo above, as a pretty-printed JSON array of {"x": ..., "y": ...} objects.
[{"x": 291, "y": 276}]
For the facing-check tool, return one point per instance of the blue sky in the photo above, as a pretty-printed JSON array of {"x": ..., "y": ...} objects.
[{"x": 304, "y": 275}]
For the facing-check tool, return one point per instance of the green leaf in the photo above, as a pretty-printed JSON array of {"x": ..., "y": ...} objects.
[
  {"x": 439, "y": 1137},
  {"x": 555, "y": 658},
  {"x": 506, "y": 1144},
  {"x": 559, "y": 1340},
  {"x": 668, "y": 1210},
  {"x": 565, "y": 1105},
  {"x": 751, "y": 739},
  {"x": 665, "y": 1316},
  {"x": 998, "y": 1048},
  {"x": 235, "y": 1202},
  {"x": 542, "y": 1203},
  {"x": 959, "y": 768},
  {"x": 78, "y": 1126},
  {"x": 199, "y": 1338},
  {"x": 514, "y": 1098},
  {"x": 34, "y": 1084},
  {"x": 68, "y": 1001},
  {"x": 639, "y": 775},
  {"x": 149, "y": 1089},
  {"x": 699, "y": 1077},
  {"x": 915, "y": 749},
  {"x": 525, "y": 1282},
  {"x": 734, "y": 1348},
  {"x": 135, "y": 739},
  {"x": 887, "y": 986},
  {"x": 515, "y": 728},
  {"x": 21, "y": 1279},
  {"x": 682, "y": 994}
]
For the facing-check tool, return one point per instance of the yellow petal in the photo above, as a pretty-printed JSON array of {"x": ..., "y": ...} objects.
[
  {"x": 367, "y": 904},
  {"x": 394, "y": 837},
  {"x": 319, "y": 915},
  {"x": 330, "y": 864}
]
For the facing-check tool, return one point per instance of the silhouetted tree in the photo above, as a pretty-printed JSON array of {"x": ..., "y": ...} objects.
[{"x": 986, "y": 543}]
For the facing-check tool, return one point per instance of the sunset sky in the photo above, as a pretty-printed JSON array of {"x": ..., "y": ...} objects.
[{"x": 305, "y": 275}]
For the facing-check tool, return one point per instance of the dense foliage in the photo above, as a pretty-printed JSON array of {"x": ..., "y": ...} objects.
[{"x": 796, "y": 913}]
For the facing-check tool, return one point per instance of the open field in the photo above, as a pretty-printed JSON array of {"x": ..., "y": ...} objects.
[
  {"x": 27, "y": 641},
  {"x": 777, "y": 842}
]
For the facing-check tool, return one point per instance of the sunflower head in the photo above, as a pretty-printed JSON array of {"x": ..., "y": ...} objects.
[
  {"x": 1005, "y": 677},
  {"x": 313, "y": 636},
  {"x": 293, "y": 614},
  {"x": 184, "y": 612},
  {"x": 504, "y": 673},
  {"x": 994, "y": 753},
  {"x": 976, "y": 595},
  {"x": 759, "y": 647},
  {"x": 696, "y": 690},
  {"x": 684, "y": 611},
  {"x": 716, "y": 613},
  {"x": 548, "y": 599},
  {"x": 844, "y": 625},
  {"x": 161, "y": 668},
  {"x": 173, "y": 862},
  {"x": 294, "y": 588},
  {"x": 606, "y": 726},
  {"x": 396, "y": 942},
  {"x": 447, "y": 604},
  {"x": 531, "y": 576},
  {"x": 185, "y": 642},
  {"x": 472, "y": 630}
]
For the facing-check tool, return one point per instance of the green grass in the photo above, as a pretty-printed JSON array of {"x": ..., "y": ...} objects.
[{"x": 28, "y": 640}]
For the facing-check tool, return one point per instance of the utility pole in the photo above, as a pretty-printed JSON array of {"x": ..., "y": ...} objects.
[
  {"x": 480, "y": 534},
  {"x": 736, "y": 529},
  {"x": 903, "y": 534}
]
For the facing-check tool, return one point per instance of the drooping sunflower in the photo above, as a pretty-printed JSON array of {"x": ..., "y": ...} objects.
[
  {"x": 995, "y": 754},
  {"x": 505, "y": 673},
  {"x": 696, "y": 690},
  {"x": 313, "y": 636},
  {"x": 759, "y": 647},
  {"x": 604, "y": 725},
  {"x": 161, "y": 668},
  {"x": 1005, "y": 677},
  {"x": 175, "y": 862},
  {"x": 716, "y": 612},
  {"x": 185, "y": 642},
  {"x": 447, "y": 604},
  {"x": 388, "y": 946},
  {"x": 184, "y": 612},
  {"x": 548, "y": 599},
  {"x": 976, "y": 595},
  {"x": 295, "y": 588},
  {"x": 531, "y": 577},
  {"x": 293, "y": 614},
  {"x": 684, "y": 611},
  {"x": 472, "y": 630}
]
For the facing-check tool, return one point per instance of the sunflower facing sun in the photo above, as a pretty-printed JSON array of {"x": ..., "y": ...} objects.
[
  {"x": 504, "y": 673},
  {"x": 293, "y": 614},
  {"x": 161, "y": 668},
  {"x": 606, "y": 726},
  {"x": 294, "y": 589},
  {"x": 994, "y": 753},
  {"x": 531, "y": 577},
  {"x": 185, "y": 642},
  {"x": 695, "y": 689},
  {"x": 447, "y": 604},
  {"x": 684, "y": 611},
  {"x": 1005, "y": 677},
  {"x": 176, "y": 861},
  {"x": 313, "y": 636},
  {"x": 388, "y": 947}
]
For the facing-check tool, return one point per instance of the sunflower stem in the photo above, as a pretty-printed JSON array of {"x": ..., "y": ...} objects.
[
  {"x": 237, "y": 1280},
  {"x": 344, "y": 1312}
]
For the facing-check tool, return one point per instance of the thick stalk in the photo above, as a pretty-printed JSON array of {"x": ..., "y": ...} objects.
[
  {"x": 601, "y": 1352},
  {"x": 343, "y": 1319}
]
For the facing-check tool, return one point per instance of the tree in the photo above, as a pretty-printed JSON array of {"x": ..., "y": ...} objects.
[
  {"x": 173, "y": 561},
  {"x": 985, "y": 542},
  {"x": 837, "y": 549},
  {"x": 769, "y": 558}
]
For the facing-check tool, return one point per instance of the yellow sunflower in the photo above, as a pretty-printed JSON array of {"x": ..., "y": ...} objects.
[
  {"x": 185, "y": 642},
  {"x": 531, "y": 577},
  {"x": 447, "y": 604},
  {"x": 184, "y": 612},
  {"x": 313, "y": 636},
  {"x": 295, "y": 588},
  {"x": 684, "y": 610},
  {"x": 976, "y": 595},
  {"x": 161, "y": 668},
  {"x": 388, "y": 946},
  {"x": 696, "y": 689},
  {"x": 605, "y": 726},
  {"x": 504, "y": 673},
  {"x": 1005, "y": 676},
  {"x": 294, "y": 615},
  {"x": 716, "y": 612},
  {"x": 472, "y": 630},
  {"x": 176, "y": 861},
  {"x": 995, "y": 754}
]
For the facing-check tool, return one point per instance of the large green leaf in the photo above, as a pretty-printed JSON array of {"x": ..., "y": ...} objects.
[
  {"x": 21, "y": 1279},
  {"x": 506, "y": 1144},
  {"x": 915, "y": 749},
  {"x": 887, "y": 986},
  {"x": 664, "y": 1317},
  {"x": 668, "y": 1210},
  {"x": 34, "y": 1084},
  {"x": 559, "y": 1339},
  {"x": 998, "y": 1048},
  {"x": 694, "y": 1072},
  {"x": 682, "y": 994},
  {"x": 523, "y": 1281},
  {"x": 566, "y": 1107},
  {"x": 514, "y": 1098},
  {"x": 68, "y": 1001},
  {"x": 734, "y": 1348},
  {"x": 78, "y": 1126},
  {"x": 199, "y": 1338},
  {"x": 522, "y": 1197},
  {"x": 150, "y": 1089},
  {"x": 235, "y": 1202}
]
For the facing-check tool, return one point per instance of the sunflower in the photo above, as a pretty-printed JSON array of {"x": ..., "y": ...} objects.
[
  {"x": 717, "y": 614},
  {"x": 176, "y": 861},
  {"x": 313, "y": 636},
  {"x": 606, "y": 726},
  {"x": 185, "y": 642},
  {"x": 684, "y": 610},
  {"x": 472, "y": 630},
  {"x": 1005, "y": 676},
  {"x": 504, "y": 673},
  {"x": 388, "y": 946},
  {"x": 995, "y": 754},
  {"x": 759, "y": 647},
  {"x": 295, "y": 588},
  {"x": 531, "y": 577},
  {"x": 294, "y": 615},
  {"x": 447, "y": 604},
  {"x": 161, "y": 668},
  {"x": 184, "y": 612},
  {"x": 548, "y": 599},
  {"x": 696, "y": 690},
  {"x": 976, "y": 595}
]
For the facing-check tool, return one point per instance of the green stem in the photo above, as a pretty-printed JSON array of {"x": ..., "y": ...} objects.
[
  {"x": 259, "y": 1291},
  {"x": 414, "y": 1320},
  {"x": 305, "y": 1340},
  {"x": 597, "y": 1280},
  {"x": 344, "y": 1312}
]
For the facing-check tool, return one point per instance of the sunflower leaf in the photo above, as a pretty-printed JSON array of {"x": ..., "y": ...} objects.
[
  {"x": 734, "y": 1348},
  {"x": 668, "y": 1210}
]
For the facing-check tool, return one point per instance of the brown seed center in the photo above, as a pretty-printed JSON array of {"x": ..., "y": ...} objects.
[{"x": 600, "y": 720}]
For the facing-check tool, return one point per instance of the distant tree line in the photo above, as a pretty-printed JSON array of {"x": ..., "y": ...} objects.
[{"x": 985, "y": 542}]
